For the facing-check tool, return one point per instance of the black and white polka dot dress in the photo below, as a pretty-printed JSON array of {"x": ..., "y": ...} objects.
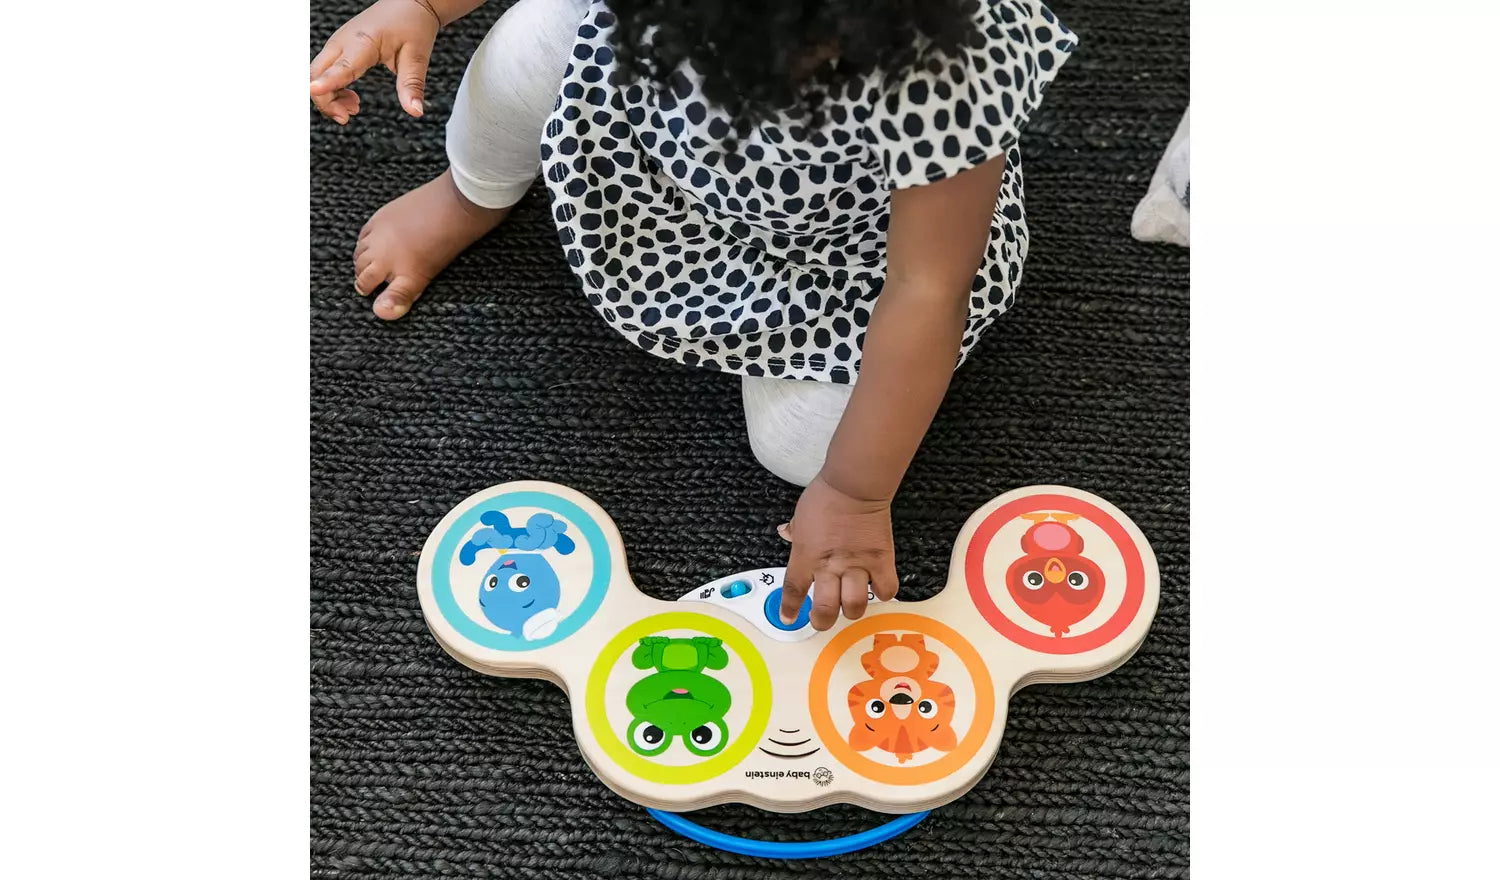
[{"x": 767, "y": 260}]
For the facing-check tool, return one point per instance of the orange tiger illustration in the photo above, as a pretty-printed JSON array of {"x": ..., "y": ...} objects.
[{"x": 900, "y": 709}]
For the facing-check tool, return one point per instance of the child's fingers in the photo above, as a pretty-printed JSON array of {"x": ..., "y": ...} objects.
[
  {"x": 883, "y": 581},
  {"x": 798, "y": 579},
  {"x": 792, "y": 597},
  {"x": 347, "y": 68},
  {"x": 825, "y": 605},
  {"x": 339, "y": 106},
  {"x": 320, "y": 63},
  {"x": 855, "y": 589},
  {"x": 344, "y": 99},
  {"x": 331, "y": 109},
  {"x": 411, "y": 78}
]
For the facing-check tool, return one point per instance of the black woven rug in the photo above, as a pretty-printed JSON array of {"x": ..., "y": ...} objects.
[{"x": 422, "y": 768}]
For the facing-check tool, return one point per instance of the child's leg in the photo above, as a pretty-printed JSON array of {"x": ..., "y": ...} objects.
[
  {"x": 494, "y": 140},
  {"x": 508, "y": 91},
  {"x": 790, "y": 423}
]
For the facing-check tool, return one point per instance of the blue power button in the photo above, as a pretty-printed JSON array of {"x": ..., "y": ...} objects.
[{"x": 773, "y": 611}]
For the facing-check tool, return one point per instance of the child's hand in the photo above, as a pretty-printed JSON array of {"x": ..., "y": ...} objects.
[
  {"x": 842, "y": 547},
  {"x": 398, "y": 33}
]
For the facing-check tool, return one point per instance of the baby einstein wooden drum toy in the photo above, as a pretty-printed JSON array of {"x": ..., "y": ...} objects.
[{"x": 712, "y": 699}]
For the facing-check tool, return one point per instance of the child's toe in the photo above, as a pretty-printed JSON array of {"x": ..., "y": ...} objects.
[
  {"x": 370, "y": 277},
  {"x": 397, "y": 297}
]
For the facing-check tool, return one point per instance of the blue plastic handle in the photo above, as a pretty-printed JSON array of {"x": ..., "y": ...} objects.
[{"x": 770, "y": 849}]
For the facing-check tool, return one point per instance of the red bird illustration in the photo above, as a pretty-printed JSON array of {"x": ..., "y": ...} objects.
[{"x": 1054, "y": 583}]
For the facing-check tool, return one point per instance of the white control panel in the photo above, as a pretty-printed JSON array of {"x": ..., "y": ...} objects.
[{"x": 756, "y": 596}]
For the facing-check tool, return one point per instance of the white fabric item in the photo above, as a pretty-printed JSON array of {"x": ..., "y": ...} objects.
[
  {"x": 1163, "y": 215},
  {"x": 508, "y": 91},
  {"x": 790, "y": 423}
]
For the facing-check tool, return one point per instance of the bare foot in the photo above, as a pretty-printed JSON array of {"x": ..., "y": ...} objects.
[{"x": 412, "y": 238}]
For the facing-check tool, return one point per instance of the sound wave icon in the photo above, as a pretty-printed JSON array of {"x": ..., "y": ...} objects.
[{"x": 790, "y": 742}]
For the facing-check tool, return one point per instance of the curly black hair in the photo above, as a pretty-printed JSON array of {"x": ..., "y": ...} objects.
[{"x": 761, "y": 57}]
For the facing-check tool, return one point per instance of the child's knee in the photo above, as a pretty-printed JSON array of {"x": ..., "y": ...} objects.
[
  {"x": 790, "y": 423},
  {"x": 784, "y": 455}
]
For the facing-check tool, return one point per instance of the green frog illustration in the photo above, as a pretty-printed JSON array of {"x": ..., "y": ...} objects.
[{"x": 678, "y": 699}]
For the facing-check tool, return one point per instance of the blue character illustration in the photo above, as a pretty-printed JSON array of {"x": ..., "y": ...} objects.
[{"x": 520, "y": 592}]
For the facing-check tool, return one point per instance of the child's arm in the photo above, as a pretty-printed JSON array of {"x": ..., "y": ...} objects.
[
  {"x": 841, "y": 532},
  {"x": 399, "y": 33}
]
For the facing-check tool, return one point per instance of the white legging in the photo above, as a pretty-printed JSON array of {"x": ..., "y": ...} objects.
[
  {"x": 508, "y": 91},
  {"x": 494, "y": 139}
]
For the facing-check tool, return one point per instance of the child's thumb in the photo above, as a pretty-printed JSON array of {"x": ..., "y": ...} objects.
[{"x": 411, "y": 78}]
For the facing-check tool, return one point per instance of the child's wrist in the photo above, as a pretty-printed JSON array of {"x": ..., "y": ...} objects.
[
  {"x": 866, "y": 490},
  {"x": 448, "y": 11},
  {"x": 431, "y": 7}
]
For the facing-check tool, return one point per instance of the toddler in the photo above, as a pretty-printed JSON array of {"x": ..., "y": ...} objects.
[{"x": 803, "y": 192}]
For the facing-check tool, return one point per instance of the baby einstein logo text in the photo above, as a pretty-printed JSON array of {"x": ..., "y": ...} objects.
[
  {"x": 778, "y": 774},
  {"x": 821, "y": 776}
]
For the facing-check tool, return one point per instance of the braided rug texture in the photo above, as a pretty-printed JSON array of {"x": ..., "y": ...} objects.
[{"x": 423, "y": 768}]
